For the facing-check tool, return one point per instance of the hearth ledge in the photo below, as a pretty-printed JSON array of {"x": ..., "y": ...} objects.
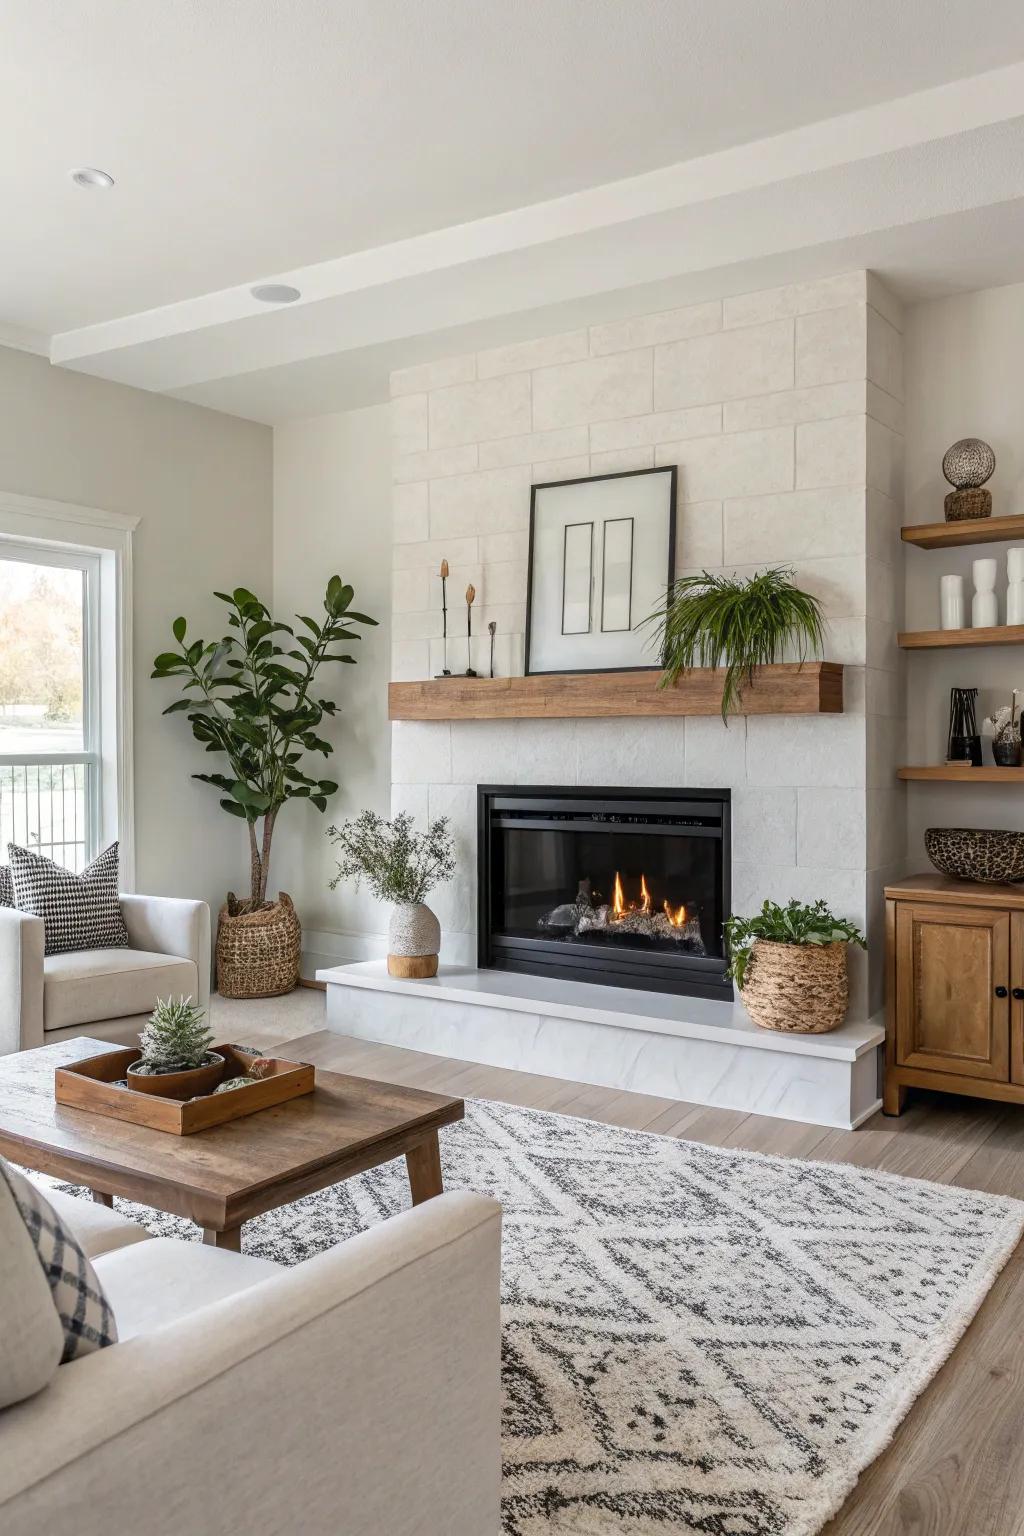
[{"x": 693, "y": 1049}]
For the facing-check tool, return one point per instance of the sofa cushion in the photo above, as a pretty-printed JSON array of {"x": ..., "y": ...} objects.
[
  {"x": 97, "y": 1228},
  {"x": 6, "y": 886},
  {"x": 151, "y": 1284},
  {"x": 91, "y": 984},
  {"x": 31, "y": 1337},
  {"x": 83, "y": 1311},
  {"x": 78, "y": 911}
]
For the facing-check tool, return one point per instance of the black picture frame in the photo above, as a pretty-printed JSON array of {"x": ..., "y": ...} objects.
[{"x": 672, "y": 471}]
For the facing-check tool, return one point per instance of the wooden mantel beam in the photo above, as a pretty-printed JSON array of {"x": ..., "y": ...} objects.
[{"x": 813, "y": 688}]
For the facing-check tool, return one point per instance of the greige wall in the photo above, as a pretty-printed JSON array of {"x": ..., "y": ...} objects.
[
  {"x": 332, "y": 513},
  {"x": 964, "y": 379},
  {"x": 201, "y": 484}
]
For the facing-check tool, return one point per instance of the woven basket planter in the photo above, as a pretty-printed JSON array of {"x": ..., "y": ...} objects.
[
  {"x": 799, "y": 989},
  {"x": 258, "y": 952}
]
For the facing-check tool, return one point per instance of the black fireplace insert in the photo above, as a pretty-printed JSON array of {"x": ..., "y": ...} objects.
[{"x": 622, "y": 887}]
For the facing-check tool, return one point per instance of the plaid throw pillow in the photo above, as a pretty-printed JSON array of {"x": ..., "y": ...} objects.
[
  {"x": 83, "y": 1309},
  {"x": 6, "y": 886},
  {"x": 79, "y": 911}
]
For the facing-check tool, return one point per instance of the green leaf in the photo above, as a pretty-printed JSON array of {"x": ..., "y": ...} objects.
[
  {"x": 254, "y": 799},
  {"x": 351, "y": 617},
  {"x": 225, "y": 597},
  {"x": 168, "y": 659},
  {"x": 179, "y": 705},
  {"x": 310, "y": 623},
  {"x": 230, "y": 806},
  {"x": 178, "y": 629},
  {"x": 319, "y": 802},
  {"x": 241, "y": 597},
  {"x": 327, "y": 787}
]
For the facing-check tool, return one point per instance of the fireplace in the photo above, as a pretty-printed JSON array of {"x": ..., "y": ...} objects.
[{"x": 622, "y": 887}]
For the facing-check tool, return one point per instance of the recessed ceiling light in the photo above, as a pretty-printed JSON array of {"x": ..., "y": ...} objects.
[
  {"x": 88, "y": 176},
  {"x": 275, "y": 293}
]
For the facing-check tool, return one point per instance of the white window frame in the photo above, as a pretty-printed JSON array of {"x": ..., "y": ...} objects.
[{"x": 100, "y": 544}]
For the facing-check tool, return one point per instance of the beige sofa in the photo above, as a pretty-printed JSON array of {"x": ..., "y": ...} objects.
[
  {"x": 354, "y": 1395},
  {"x": 107, "y": 993}
]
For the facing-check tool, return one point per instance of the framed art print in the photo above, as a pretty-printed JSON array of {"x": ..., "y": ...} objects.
[{"x": 602, "y": 554}]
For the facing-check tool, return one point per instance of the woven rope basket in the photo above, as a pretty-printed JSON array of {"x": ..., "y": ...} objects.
[
  {"x": 800, "y": 989},
  {"x": 258, "y": 952}
]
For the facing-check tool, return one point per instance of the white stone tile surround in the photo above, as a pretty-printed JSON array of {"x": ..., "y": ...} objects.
[
  {"x": 783, "y": 411},
  {"x": 686, "y": 1048}
]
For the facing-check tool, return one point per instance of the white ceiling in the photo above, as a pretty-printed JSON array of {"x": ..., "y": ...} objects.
[{"x": 276, "y": 139}]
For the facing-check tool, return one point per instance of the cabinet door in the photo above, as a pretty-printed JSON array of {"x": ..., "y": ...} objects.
[
  {"x": 1017, "y": 998},
  {"x": 952, "y": 990}
]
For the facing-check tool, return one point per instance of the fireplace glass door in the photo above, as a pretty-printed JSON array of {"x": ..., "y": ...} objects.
[{"x": 612, "y": 886}]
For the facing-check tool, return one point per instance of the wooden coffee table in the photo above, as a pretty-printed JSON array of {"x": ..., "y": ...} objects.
[{"x": 222, "y": 1177}]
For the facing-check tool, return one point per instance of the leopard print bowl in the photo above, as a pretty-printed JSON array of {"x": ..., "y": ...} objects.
[{"x": 970, "y": 853}]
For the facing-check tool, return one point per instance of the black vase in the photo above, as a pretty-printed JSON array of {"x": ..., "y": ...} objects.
[
  {"x": 964, "y": 749},
  {"x": 1006, "y": 751}
]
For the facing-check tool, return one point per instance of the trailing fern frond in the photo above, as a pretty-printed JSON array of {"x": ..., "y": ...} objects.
[{"x": 713, "y": 621}]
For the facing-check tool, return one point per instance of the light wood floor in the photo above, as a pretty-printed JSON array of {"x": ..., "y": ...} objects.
[{"x": 956, "y": 1464}]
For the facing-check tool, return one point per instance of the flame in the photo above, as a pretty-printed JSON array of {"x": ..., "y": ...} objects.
[
  {"x": 676, "y": 918},
  {"x": 618, "y": 899},
  {"x": 645, "y": 895}
]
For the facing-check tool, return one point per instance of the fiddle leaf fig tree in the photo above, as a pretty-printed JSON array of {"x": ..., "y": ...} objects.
[{"x": 247, "y": 697}]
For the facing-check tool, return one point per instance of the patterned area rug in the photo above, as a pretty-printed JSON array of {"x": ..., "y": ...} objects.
[{"x": 696, "y": 1340}]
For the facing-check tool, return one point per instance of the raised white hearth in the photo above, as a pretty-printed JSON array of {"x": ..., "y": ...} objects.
[{"x": 685, "y": 1048}]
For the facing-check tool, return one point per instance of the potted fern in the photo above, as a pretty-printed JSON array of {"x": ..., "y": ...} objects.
[
  {"x": 790, "y": 965},
  {"x": 248, "y": 697},
  {"x": 401, "y": 866},
  {"x": 715, "y": 620},
  {"x": 176, "y": 1060}
]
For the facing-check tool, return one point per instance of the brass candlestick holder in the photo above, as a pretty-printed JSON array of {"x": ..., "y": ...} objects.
[
  {"x": 492, "y": 630},
  {"x": 443, "y": 573},
  {"x": 470, "y": 597}
]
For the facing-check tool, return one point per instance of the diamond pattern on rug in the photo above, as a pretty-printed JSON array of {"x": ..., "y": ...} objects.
[{"x": 696, "y": 1339}]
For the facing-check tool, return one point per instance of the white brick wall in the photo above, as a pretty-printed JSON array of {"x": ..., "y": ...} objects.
[{"x": 783, "y": 411}]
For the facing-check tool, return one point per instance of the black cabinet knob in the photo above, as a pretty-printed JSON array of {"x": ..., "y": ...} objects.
[
  {"x": 1001, "y": 992},
  {"x": 1018, "y": 993}
]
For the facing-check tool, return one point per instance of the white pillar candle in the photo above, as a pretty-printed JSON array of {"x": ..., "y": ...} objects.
[
  {"x": 951, "y": 602},
  {"x": 1015, "y": 563}
]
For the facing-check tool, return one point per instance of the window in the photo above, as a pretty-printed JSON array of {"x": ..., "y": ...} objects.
[{"x": 49, "y": 701}]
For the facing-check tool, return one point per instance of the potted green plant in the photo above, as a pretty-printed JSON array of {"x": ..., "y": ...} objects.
[
  {"x": 248, "y": 697},
  {"x": 715, "y": 620},
  {"x": 790, "y": 964},
  {"x": 176, "y": 1060},
  {"x": 401, "y": 866}
]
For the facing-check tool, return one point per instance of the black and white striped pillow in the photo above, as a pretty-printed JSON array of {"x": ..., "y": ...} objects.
[{"x": 78, "y": 911}]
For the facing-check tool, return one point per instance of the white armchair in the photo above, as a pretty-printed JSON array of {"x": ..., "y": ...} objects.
[
  {"x": 102, "y": 992},
  {"x": 357, "y": 1394}
]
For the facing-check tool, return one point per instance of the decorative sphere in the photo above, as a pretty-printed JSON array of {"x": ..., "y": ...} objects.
[{"x": 968, "y": 464}]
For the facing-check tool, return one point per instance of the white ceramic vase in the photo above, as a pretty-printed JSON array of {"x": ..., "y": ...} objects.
[
  {"x": 985, "y": 606},
  {"x": 1015, "y": 584},
  {"x": 414, "y": 938}
]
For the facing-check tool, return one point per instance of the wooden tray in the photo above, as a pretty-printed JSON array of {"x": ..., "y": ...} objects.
[{"x": 92, "y": 1084}]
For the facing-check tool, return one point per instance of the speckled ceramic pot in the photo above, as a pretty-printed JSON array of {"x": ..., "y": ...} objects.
[{"x": 414, "y": 938}]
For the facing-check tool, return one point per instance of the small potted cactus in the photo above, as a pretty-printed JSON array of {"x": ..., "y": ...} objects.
[{"x": 176, "y": 1060}]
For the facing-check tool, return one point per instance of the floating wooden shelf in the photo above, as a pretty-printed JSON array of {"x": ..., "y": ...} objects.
[
  {"x": 932, "y": 639},
  {"x": 814, "y": 688},
  {"x": 977, "y": 530},
  {"x": 963, "y": 773}
]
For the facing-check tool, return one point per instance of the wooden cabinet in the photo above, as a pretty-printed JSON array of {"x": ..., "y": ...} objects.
[{"x": 955, "y": 985}]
